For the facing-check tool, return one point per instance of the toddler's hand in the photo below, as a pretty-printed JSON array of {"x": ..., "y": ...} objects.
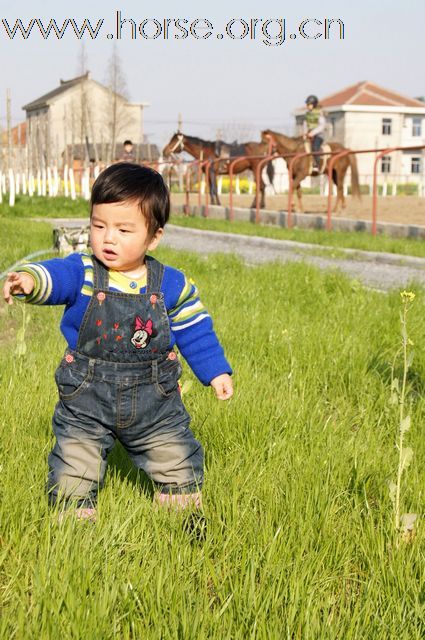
[
  {"x": 223, "y": 386},
  {"x": 17, "y": 283}
]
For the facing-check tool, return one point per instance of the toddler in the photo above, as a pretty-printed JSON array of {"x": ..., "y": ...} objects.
[{"x": 118, "y": 379}]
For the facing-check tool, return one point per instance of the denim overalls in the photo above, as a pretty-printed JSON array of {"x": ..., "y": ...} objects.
[{"x": 122, "y": 382}]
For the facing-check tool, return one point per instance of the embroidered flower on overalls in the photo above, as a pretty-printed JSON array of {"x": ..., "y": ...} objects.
[
  {"x": 172, "y": 355},
  {"x": 101, "y": 296},
  {"x": 98, "y": 340},
  {"x": 118, "y": 337},
  {"x": 153, "y": 299},
  {"x": 98, "y": 323},
  {"x": 69, "y": 357},
  {"x": 116, "y": 325},
  {"x": 105, "y": 335},
  {"x": 142, "y": 333}
]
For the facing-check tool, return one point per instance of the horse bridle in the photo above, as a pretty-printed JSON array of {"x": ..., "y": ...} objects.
[{"x": 179, "y": 145}]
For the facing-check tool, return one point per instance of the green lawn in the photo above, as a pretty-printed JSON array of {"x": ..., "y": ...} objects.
[
  {"x": 300, "y": 540},
  {"x": 45, "y": 207}
]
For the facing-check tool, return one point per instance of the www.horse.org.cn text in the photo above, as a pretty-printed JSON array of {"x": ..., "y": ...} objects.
[{"x": 272, "y": 32}]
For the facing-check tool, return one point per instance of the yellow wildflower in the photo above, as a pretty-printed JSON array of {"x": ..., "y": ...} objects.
[{"x": 407, "y": 296}]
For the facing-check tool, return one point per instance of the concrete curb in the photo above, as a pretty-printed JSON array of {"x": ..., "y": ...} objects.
[{"x": 308, "y": 221}]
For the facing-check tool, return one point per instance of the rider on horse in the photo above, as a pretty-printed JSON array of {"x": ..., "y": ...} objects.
[{"x": 314, "y": 126}]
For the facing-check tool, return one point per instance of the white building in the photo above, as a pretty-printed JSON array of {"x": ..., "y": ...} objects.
[
  {"x": 365, "y": 116},
  {"x": 80, "y": 114}
]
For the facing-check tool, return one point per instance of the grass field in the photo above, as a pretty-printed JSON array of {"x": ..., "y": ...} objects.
[{"x": 300, "y": 540}]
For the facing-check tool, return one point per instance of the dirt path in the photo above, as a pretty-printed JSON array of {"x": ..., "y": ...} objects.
[{"x": 382, "y": 271}]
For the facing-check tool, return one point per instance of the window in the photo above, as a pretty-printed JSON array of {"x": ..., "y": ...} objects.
[
  {"x": 416, "y": 127},
  {"x": 386, "y": 126},
  {"x": 415, "y": 165},
  {"x": 385, "y": 164}
]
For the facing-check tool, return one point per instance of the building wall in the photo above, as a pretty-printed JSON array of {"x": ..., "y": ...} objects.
[{"x": 84, "y": 110}]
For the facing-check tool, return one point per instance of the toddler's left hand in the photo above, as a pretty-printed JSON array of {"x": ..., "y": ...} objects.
[{"x": 223, "y": 386}]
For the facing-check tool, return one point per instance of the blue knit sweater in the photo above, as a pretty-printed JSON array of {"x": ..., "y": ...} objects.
[{"x": 69, "y": 281}]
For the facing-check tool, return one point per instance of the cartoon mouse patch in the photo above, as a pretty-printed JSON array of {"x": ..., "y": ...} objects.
[{"x": 143, "y": 332}]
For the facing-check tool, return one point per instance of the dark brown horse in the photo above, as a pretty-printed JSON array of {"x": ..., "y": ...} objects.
[
  {"x": 301, "y": 169},
  {"x": 206, "y": 150}
]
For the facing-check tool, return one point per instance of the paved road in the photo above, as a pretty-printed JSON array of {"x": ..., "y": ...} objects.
[
  {"x": 382, "y": 271},
  {"x": 378, "y": 270}
]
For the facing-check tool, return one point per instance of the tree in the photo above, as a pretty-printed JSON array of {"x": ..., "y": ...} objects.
[{"x": 117, "y": 116}]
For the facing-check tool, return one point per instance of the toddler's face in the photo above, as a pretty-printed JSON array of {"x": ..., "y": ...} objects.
[{"x": 119, "y": 236}]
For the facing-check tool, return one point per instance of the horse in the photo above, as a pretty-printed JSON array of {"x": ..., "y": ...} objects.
[
  {"x": 225, "y": 153},
  {"x": 301, "y": 168}
]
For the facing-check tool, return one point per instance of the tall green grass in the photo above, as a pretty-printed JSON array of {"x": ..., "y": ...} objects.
[
  {"x": 45, "y": 207},
  {"x": 19, "y": 238},
  {"x": 300, "y": 540}
]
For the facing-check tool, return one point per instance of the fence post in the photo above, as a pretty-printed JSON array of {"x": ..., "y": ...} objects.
[
  {"x": 258, "y": 171},
  {"x": 292, "y": 161},
  {"x": 375, "y": 186},
  {"x": 231, "y": 167},
  {"x": 331, "y": 164}
]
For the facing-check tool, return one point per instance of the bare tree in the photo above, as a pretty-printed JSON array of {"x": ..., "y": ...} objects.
[
  {"x": 236, "y": 131},
  {"x": 117, "y": 116},
  {"x": 83, "y": 107}
]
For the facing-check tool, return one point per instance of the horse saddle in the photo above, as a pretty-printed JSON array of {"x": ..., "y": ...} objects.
[
  {"x": 229, "y": 150},
  {"x": 325, "y": 149}
]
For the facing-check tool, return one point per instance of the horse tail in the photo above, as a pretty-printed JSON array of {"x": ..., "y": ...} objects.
[
  {"x": 270, "y": 172},
  {"x": 355, "y": 187}
]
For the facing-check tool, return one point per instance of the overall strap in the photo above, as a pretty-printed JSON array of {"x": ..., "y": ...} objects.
[
  {"x": 155, "y": 274},
  {"x": 100, "y": 275}
]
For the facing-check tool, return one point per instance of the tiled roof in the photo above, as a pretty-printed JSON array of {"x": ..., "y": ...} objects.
[
  {"x": 64, "y": 86},
  {"x": 370, "y": 94},
  {"x": 143, "y": 151}
]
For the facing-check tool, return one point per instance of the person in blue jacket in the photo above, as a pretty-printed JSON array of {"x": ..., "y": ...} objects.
[{"x": 118, "y": 380}]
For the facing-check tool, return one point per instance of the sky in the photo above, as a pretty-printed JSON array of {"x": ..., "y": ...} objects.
[{"x": 230, "y": 86}]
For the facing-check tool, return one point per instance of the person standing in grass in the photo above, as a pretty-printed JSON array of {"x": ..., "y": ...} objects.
[{"x": 118, "y": 379}]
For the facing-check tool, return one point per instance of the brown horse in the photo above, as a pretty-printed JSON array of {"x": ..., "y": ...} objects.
[
  {"x": 206, "y": 150},
  {"x": 301, "y": 168}
]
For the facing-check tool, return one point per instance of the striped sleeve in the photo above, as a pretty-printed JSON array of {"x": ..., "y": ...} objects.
[
  {"x": 189, "y": 309},
  {"x": 56, "y": 281},
  {"x": 87, "y": 288},
  {"x": 43, "y": 283}
]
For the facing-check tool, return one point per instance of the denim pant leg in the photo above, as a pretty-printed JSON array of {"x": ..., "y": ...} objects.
[
  {"x": 159, "y": 439},
  {"x": 78, "y": 460},
  {"x": 316, "y": 144}
]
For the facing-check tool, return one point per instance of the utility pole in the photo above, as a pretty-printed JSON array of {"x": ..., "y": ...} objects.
[{"x": 179, "y": 122}]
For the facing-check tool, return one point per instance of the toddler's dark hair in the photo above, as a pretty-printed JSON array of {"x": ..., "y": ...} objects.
[{"x": 129, "y": 182}]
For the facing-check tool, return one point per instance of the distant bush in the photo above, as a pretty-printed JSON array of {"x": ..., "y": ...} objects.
[
  {"x": 243, "y": 185},
  {"x": 407, "y": 189}
]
